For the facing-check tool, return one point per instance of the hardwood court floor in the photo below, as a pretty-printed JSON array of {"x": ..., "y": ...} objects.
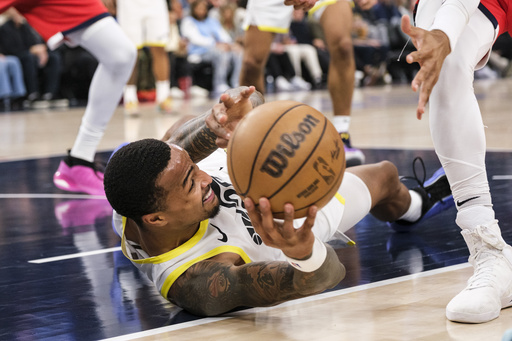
[{"x": 62, "y": 276}]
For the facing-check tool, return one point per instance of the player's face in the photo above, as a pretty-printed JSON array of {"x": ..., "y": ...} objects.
[{"x": 190, "y": 198}]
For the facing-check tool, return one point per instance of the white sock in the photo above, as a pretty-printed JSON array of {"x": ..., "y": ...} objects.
[
  {"x": 341, "y": 123},
  {"x": 414, "y": 211},
  {"x": 162, "y": 90},
  {"x": 87, "y": 141},
  {"x": 471, "y": 217},
  {"x": 130, "y": 93}
]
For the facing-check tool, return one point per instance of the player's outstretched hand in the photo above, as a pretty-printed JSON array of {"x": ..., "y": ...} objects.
[
  {"x": 432, "y": 48},
  {"x": 233, "y": 106},
  {"x": 295, "y": 243}
]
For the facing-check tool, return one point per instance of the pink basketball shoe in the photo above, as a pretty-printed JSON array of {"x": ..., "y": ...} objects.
[{"x": 77, "y": 175}]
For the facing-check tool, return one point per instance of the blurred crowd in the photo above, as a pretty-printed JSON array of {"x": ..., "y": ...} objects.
[{"x": 205, "y": 48}]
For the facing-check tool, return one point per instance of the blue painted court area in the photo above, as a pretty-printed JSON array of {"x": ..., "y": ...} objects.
[{"x": 62, "y": 276}]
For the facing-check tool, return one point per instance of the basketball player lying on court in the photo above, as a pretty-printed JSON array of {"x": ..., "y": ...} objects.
[{"x": 206, "y": 250}]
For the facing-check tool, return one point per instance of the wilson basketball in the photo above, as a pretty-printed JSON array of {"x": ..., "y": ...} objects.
[{"x": 286, "y": 151}]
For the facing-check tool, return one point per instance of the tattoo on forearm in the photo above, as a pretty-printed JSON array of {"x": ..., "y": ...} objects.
[
  {"x": 195, "y": 137},
  {"x": 212, "y": 288}
]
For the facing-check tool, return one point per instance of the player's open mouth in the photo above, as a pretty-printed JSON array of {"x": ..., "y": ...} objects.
[{"x": 209, "y": 195}]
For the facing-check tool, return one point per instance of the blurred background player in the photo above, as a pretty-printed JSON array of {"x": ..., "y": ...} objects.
[
  {"x": 265, "y": 18},
  {"x": 146, "y": 23},
  {"x": 86, "y": 23}
]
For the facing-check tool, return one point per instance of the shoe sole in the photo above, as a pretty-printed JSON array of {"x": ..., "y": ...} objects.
[
  {"x": 470, "y": 318},
  {"x": 70, "y": 186}
]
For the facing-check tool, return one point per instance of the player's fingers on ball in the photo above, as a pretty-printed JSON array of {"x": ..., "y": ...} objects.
[
  {"x": 253, "y": 211},
  {"x": 267, "y": 218},
  {"x": 228, "y": 101},
  {"x": 288, "y": 230},
  {"x": 246, "y": 93},
  {"x": 310, "y": 218}
]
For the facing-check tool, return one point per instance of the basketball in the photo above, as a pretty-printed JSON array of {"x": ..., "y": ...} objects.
[{"x": 286, "y": 151}]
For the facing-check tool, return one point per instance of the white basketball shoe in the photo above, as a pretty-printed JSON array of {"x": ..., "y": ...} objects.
[{"x": 490, "y": 288}]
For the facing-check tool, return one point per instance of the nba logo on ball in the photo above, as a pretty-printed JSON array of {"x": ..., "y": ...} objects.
[{"x": 286, "y": 151}]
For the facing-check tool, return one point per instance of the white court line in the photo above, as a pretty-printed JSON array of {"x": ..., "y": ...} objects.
[
  {"x": 74, "y": 255},
  {"x": 502, "y": 177},
  {"x": 49, "y": 196},
  {"x": 318, "y": 297}
]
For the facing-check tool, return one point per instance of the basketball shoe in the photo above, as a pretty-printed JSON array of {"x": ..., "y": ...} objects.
[
  {"x": 435, "y": 193},
  {"x": 77, "y": 175},
  {"x": 353, "y": 156},
  {"x": 490, "y": 288},
  {"x": 131, "y": 108},
  {"x": 165, "y": 106}
]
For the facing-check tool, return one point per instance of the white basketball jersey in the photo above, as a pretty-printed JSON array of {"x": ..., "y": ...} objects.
[{"x": 229, "y": 231}]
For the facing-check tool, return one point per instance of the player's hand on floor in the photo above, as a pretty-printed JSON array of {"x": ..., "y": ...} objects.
[{"x": 295, "y": 243}]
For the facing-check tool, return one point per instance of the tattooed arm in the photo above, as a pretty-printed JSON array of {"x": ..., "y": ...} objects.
[
  {"x": 211, "y": 288},
  {"x": 218, "y": 285},
  {"x": 202, "y": 135}
]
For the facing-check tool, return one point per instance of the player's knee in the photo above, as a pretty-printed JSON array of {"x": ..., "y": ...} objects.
[
  {"x": 123, "y": 58},
  {"x": 253, "y": 63},
  {"x": 341, "y": 49},
  {"x": 389, "y": 175}
]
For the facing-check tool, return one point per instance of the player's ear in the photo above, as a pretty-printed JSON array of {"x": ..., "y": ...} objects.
[{"x": 154, "y": 219}]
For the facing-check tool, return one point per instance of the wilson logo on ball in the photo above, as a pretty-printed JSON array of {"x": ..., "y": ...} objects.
[{"x": 277, "y": 160}]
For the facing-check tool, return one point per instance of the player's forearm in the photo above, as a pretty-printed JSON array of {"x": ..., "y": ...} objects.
[
  {"x": 327, "y": 276},
  {"x": 219, "y": 288},
  {"x": 195, "y": 137}
]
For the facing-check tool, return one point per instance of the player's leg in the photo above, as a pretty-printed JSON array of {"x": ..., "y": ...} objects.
[
  {"x": 161, "y": 70},
  {"x": 377, "y": 189},
  {"x": 130, "y": 17},
  {"x": 461, "y": 150},
  {"x": 262, "y": 19},
  {"x": 157, "y": 36},
  {"x": 256, "y": 50},
  {"x": 336, "y": 21},
  {"x": 116, "y": 55}
]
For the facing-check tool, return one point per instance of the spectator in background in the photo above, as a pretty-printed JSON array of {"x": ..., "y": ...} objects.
[
  {"x": 11, "y": 79},
  {"x": 209, "y": 42},
  {"x": 231, "y": 17},
  {"x": 279, "y": 68},
  {"x": 301, "y": 29},
  {"x": 370, "y": 48},
  {"x": 298, "y": 54},
  {"x": 177, "y": 51},
  {"x": 40, "y": 66}
]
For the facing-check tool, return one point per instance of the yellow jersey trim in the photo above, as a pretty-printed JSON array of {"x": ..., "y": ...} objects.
[
  {"x": 271, "y": 29},
  {"x": 340, "y": 198},
  {"x": 173, "y": 276},
  {"x": 151, "y": 44},
  {"x": 171, "y": 254},
  {"x": 321, "y": 4}
]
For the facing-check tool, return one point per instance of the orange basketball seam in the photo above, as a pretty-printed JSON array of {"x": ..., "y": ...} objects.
[{"x": 263, "y": 142}]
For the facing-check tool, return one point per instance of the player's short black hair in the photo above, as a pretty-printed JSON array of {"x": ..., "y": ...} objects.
[{"x": 130, "y": 178}]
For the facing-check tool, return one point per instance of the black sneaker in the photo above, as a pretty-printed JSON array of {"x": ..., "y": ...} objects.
[
  {"x": 353, "y": 156},
  {"x": 435, "y": 192}
]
